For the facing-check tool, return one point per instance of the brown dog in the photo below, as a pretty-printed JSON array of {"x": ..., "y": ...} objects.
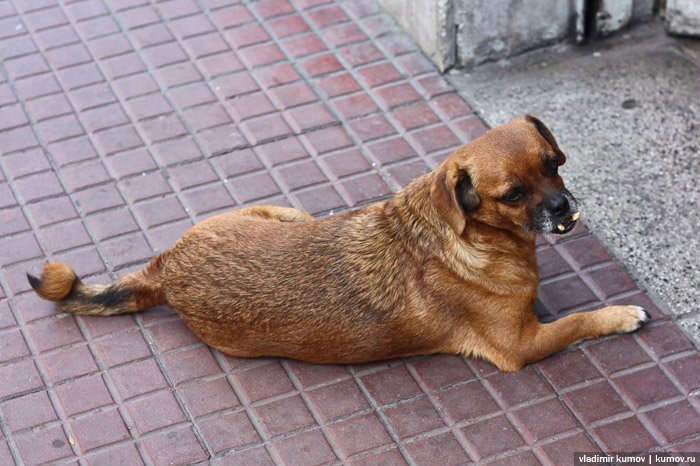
[{"x": 445, "y": 266}]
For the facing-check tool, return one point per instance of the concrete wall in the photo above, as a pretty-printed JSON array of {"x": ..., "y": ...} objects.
[
  {"x": 683, "y": 17},
  {"x": 644, "y": 9},
  {"x": 464, "y": 33},
  {"x": 493, "y": 29},
  {"x": 614, "y": 15},
  {"x": 430, "y": 23}
]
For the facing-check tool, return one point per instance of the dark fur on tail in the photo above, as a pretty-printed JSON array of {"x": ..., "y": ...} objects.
[{"x": 135, "y": 292}]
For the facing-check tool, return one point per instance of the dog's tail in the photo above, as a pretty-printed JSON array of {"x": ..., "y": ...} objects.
[{"x": 132, "y": 293}]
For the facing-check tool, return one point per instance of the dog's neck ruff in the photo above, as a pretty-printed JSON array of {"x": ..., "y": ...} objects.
[{"x": 468, "y": 254}]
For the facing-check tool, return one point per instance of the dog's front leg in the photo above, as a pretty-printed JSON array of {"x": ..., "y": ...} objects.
[{"x": 537, "y": 340}]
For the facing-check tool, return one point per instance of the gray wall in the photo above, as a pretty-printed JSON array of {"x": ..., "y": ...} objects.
[
  {"x": 464, "y": 33},
  {"x": 430, "y": 24},
  {"x": 494, "y": 29},
  {"x": 683, "y": 17}
]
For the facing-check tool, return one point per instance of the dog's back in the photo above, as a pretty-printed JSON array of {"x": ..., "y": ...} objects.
[{"x": 292, "y": 288}]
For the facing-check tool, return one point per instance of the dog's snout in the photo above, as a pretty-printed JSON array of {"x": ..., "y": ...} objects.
[{"x": 558, "y": 205}]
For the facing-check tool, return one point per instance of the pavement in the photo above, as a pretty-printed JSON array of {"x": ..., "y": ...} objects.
[{"x": 124, "y": 122}]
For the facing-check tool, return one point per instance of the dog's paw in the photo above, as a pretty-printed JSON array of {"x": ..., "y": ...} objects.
[{"x": 626, "y": 319}]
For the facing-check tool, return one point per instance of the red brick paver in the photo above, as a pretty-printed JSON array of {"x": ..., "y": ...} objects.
[{"x": 124, "y": 122}]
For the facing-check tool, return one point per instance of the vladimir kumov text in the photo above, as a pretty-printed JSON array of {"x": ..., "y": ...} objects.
[{"x": 585, "y": 458}]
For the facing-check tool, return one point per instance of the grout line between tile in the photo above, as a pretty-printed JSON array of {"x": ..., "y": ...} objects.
[
  {"x": 382, "y": 417},
  {"x": 319, "y": 94},
  {"x": 112, "y": 389},
  {"x": 246, "y": 404},
  {"x": 335, "y": 447},
  {"x": 435, "y": 402},
  {"x": 46, "y": 379},
  {"x": 126, "y": 32}
]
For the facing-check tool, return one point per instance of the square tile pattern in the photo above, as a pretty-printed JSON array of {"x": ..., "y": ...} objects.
[{"x": 122, "y": 123}]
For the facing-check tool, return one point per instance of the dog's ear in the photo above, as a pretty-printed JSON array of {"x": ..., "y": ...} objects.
[
  {"x": 547, "y": 136},
  {"x": 454, "y": 196}
]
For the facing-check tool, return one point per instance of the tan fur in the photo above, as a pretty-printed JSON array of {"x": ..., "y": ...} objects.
[
  {"x": 57, "y": 282},
  {"x": 437, "y": 268},
  {"x": 133, "y": 293}
]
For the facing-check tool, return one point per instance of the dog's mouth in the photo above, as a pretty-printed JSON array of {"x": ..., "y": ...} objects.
[{"x": 567, "y": 225}]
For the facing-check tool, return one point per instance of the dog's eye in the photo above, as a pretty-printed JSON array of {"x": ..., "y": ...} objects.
[
  {"x": 552, "y": 165},
  {"x": 513, "y": 195}
]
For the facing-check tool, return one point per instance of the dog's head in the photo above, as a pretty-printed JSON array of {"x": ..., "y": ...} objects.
[{"x": 508, "y": 179}]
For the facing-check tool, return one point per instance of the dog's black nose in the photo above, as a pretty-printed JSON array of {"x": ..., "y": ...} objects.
[{"x": 558, "y": 205}]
